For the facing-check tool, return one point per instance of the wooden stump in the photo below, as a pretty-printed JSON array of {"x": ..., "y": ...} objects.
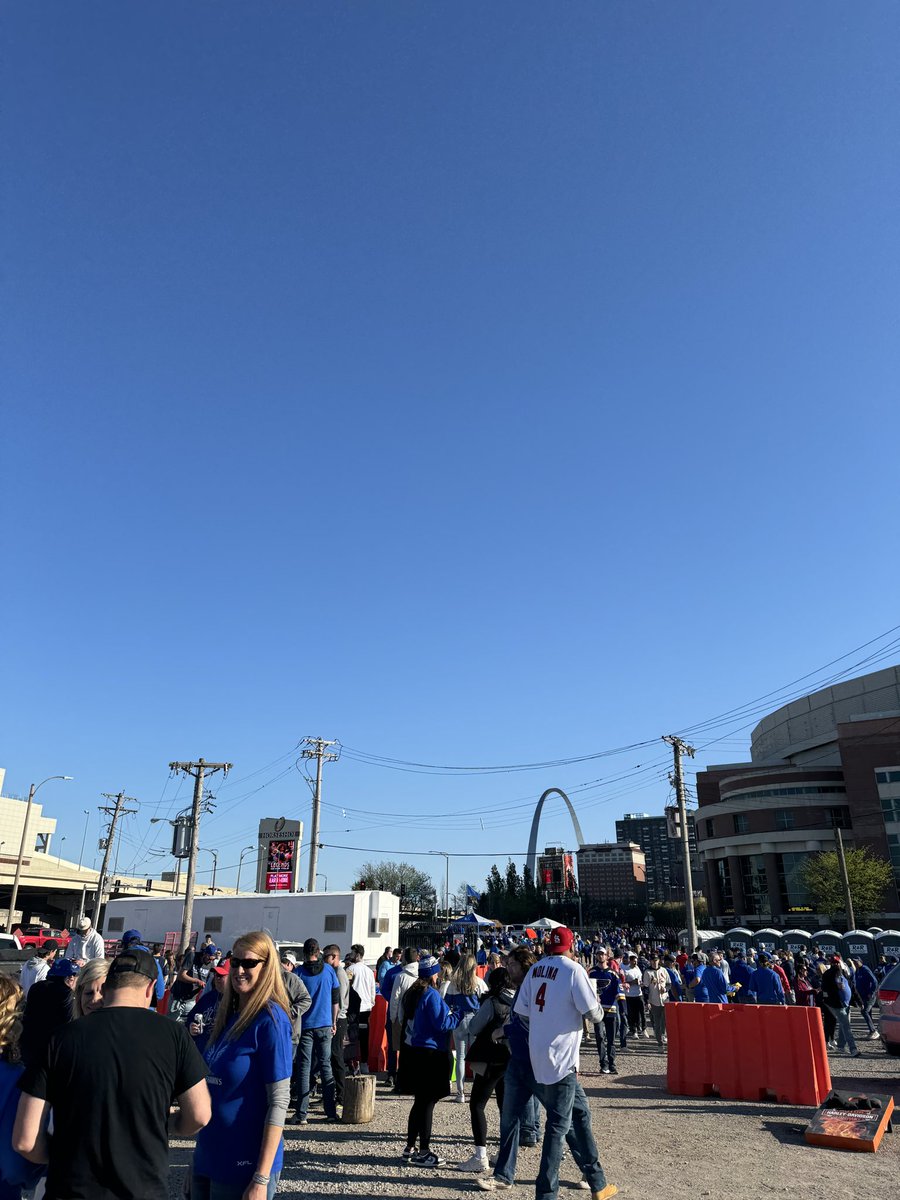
[{"x": 359, "y": 1099}]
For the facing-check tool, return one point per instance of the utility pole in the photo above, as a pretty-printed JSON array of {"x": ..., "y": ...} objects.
[
  {"x": 117, "y": 810},
  {"x": 845, "y": 880},
  {"x": 679, "y": 748},
  {"x": 198, "y": 770},
  {"x": 316, "y": 748}
]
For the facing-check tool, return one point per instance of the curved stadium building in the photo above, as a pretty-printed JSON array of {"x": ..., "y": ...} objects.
[{"x": 830, "y": 760}]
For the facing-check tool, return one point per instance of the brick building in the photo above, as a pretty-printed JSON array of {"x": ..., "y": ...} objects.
[
  {"x": 613, "y": 874},
  {"x": 662, "y": 854}
]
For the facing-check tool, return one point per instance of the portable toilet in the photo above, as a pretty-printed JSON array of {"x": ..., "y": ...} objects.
[
  {"x": 711, "y": 941},
  {"x": 860, "y": 944},
  {"x": 796, "y": 940},
  {"x": 739, "y": 939},
  {"x": 873, "y": 929},
  {"x": 768, "y": 940},
  {"x": 888, "y": 943},
  {"x": 829, "y": 941}
]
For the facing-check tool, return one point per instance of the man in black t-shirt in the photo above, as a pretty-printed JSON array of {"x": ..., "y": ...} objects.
[{"x": 110, "y": 1079}]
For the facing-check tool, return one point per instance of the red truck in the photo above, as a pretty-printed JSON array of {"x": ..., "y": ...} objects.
[{"x": 36, "y": 935}]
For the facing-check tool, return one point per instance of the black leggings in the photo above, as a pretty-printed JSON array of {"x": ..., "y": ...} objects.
[
  {"x": 418, "y": 1127},
  {"x": 482, "y": 1088}
]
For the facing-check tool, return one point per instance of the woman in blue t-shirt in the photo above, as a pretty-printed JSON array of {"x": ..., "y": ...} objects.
[{"x": 239, "y": 1153}]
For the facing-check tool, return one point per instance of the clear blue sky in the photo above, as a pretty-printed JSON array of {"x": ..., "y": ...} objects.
[{"x": 472, "y": 383}]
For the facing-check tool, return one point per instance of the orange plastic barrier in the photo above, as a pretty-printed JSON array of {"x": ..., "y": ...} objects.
[
  {"x": 378, "y": 1036},
  {"x": 747, "y": 1052}
]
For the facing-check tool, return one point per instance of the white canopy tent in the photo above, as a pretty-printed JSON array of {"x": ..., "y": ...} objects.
[{"x": 544, "y": 923}]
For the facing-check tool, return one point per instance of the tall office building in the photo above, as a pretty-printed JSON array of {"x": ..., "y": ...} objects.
[
  {"x": 556, "y": 873},
  {"x": 612, "y": 874},
  {"x": 662, "y": 853}
]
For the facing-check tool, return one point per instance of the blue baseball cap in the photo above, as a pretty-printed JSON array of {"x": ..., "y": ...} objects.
[
  {"x": 131, "y": 935},
  {"x": 64, "y": 968}
]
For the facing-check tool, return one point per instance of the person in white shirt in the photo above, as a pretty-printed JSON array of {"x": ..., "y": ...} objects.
[
  {"x": 86, "y": 943},
  {"x": 634, "y": 999},
  {"x": 554, "y": 997},
  {"x": 656, "y": 981},
  {"x": 362, "y": 984},
  {"x": 37, "y": 967}
]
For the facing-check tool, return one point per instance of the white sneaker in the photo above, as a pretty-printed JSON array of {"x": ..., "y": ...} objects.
[
  {"x": 477, "y": 1164},
  {"x": 582, "y": 1185},
  {"x": 492, "y": 1184},
  {"x": 459, "y": 1098},
  {"x": 647, "y": 1033},
  {"x": 873, "y": 1037}
]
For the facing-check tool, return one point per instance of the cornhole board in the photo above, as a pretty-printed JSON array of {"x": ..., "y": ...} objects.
[{"x": 851, "y": 1129}]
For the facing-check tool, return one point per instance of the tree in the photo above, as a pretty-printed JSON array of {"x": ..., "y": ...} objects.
[
  {"x": 671, "y": 914},
  {"x": 870, "y": 878},
  {"x": 413, "y": 885}
]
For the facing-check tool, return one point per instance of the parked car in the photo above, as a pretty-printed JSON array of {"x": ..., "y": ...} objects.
[
  {"x": 889, "y": 1001},
  {"x": 10, "y": 941},
  {"x": 36, "y": 935}
]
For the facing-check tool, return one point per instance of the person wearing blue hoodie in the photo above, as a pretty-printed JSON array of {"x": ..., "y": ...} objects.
[
  {"x": 425, "y": 1063},
  {"x": 765, "y": 986},
  {"x": 132, "y": 940},
  {"x": 741, "y": 973}
]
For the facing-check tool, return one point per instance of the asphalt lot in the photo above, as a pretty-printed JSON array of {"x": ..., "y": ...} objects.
[{"x": 651, "y": 1144}]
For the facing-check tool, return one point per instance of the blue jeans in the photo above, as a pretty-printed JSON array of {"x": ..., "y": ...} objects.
[
  {"x": 844, "y": 1032},
  {"x": 520, "y": 1117},
  {"x": 605, "y": 1037},
  {"x": 315, "y": 1049},
  {"x": 203, "y": 1188},
  {"x": 567, "y": 1113},
  {"x": 866, "y": 1010}
]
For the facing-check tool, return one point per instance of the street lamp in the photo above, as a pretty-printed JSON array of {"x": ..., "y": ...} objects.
[
  {"x": 446, "y": 858},
  {"x": 62, "y": 842},
  {"x": 237, "y": 886},
  {"x": 14, "y": 898},
  {"x": 320, "y": 875},
  {"x": 215, "y": 855}
]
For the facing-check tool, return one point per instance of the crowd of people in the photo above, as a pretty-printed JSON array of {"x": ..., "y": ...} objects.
[{"x": 252, "y": 1036}]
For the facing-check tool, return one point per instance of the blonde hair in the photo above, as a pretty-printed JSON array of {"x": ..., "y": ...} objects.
[
  {"x": 464, "y": 976},
  {"x": 11, "y": 997},
  {"x": 268, "y": 990},
  {"x": 96, "y": 968}
]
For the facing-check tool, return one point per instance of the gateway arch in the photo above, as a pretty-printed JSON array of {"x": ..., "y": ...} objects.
[{"x": 531, "y": 860}]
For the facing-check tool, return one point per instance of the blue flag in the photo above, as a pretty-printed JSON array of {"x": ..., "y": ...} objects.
[{"x": 471, "y": 894}]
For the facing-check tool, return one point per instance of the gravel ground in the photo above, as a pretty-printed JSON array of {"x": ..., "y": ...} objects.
[{"x": 651, "y": 1143}]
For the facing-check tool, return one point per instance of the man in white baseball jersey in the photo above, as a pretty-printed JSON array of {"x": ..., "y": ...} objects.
[{"x": 554, "y": 997}]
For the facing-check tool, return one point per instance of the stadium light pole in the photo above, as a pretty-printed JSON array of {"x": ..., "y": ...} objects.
[
  {"x": 444, "y": 854},
  {"x": 237, "y": 886}
]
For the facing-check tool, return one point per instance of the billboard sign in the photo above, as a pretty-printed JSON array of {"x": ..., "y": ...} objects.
[{"x": 279, "y": 850}]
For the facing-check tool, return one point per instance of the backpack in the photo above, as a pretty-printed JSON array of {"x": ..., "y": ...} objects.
[{"x": 484, "y": 1049}]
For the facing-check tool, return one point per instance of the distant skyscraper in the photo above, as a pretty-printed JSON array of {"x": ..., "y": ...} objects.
[
  {"x": 556, "y": 873},
  {"x": 612, "y": 874},
  {"x": 662, "y": 854}
]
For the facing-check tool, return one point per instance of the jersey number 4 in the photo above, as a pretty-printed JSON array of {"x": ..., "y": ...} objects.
[{"x": 540, "y": 996}]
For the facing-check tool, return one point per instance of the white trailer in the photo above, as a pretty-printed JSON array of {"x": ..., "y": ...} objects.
[{"x": 371, "y": 919}]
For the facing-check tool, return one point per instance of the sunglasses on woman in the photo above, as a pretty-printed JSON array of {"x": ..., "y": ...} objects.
[{"x": 247, "y": 964}]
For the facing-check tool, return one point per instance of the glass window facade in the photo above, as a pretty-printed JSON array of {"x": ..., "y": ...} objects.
[
  {"x": 891, "y": 809},
  {"x": 741, "y": 824},
  {"x": 794, "y": 895},
  {"x": 724, "y": 877},
  {"x": 894, "y": 851},
  {"x": 887, "y": 776},
  {"x": 838, "y": 818},
  {"x": 756, "y": 887},
  {"x": 784, "y": 818}
]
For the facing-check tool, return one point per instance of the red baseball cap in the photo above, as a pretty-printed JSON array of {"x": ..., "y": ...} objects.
[
  {"x": 222, "y": 969},
  {"x": 561, "y": 940}
]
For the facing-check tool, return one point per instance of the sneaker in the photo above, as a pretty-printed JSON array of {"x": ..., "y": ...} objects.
[
  {"x": 665, "y": 1040},
  {"x": 407, "y": 1151},
  {"x": 459, "y": 1098},
  {"x": 427, "y": 1160},
  {"x": 493, "y": 1184},
  {"x": 856, "y": 1054},
  {"x": 613, "y": 1071},
  {"x": 647, "y": 1033},
  {"x": 609, "y": 1191},
  {"x": 582, "y": 1185},
  {"x": 476, "y": 1164},
  {"x": 873, "y": 1037},
  {"x": 604, "y": 1070}
]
